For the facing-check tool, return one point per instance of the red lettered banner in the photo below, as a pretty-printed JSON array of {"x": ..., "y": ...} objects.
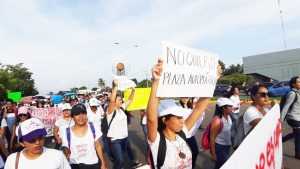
[
  {"x": 262, "y": 148},
  {"x": 48, "y": 116}
]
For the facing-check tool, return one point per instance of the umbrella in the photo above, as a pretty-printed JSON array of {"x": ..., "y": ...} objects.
[{"x": 69, "y": 94}]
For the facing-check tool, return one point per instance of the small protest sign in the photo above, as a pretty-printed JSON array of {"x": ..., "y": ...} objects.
[
  {"x": 15, "y": 96},
  {"x": 187, "y": 72},
  {"x": 124, "y": 82},
  {"x": 140, "y": 99},
  {"x": 48, "y": 116}
]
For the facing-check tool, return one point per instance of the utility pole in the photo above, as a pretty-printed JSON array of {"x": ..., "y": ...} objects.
[{"x": 282, "y": 25}]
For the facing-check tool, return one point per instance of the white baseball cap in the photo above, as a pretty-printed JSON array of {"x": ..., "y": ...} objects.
[
  {"x": 166, "y": 107},
  {"x": 93, "y": 102},
  {"x": 224, "y": 101},
  {"x": 31, "y": 128},
  {"x": 66, "y": 106}
]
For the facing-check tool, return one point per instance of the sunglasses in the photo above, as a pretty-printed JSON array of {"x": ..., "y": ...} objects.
[
  {"x": 38, "y": 138},
  {"x": 263, "y": 94},
  {"x": 22, "y": 115}
]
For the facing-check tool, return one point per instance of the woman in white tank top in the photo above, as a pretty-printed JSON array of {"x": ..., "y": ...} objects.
[{"x": 220, "y": 141}]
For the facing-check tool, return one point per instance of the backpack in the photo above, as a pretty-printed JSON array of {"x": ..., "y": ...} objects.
[
  {"x": 237, "y": 133},
  {"x": 68, "y": 130},
  {"x": 283, "y": 101},
  {"x": 162, "y": 148},
  {"x": 104, "y": 124},
  {"x": 206, "y": 134}
]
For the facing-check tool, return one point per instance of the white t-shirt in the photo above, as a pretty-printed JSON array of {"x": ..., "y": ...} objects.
[
  {"x": 49, "y": 159},
  {"x": 236, "y": 103},
  {"x": 194, "y": 129},
  {"x": 144, "y": 120},
  {"x": 251, "y": 114},
  {"x": 118, "y": 128},
  {"x": 62, "y": 124},
  {"x": 3, "y": 123},
  {"x": 172, "y": 159},
  {"x": 83, "y": 148},
  {"x": 95, "y": 117}
]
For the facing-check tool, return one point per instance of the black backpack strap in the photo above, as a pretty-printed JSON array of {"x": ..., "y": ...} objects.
[
  {"x": 68, "y": 132},
  {"x": 150, "y": 158},
  {"x": 113, "y": 116},
  {"x": 182, "y": 135},
  {"x": 162, "y": 148},
  {"x": 93, "y": 129},
  {"x": 295, "y": 100}
]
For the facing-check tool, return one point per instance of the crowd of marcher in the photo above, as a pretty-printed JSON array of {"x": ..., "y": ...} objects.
[{"x": 94, "y": 125}]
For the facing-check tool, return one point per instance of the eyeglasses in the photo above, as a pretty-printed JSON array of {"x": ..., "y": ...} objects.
[
  {"x": 263, "y": 94},
  {"x": 38, "y": 138},
  {"x": 22, "y": 115}
]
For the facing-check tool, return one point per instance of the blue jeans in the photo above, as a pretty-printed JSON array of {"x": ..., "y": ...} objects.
[
  {"x": 145, "y": 130},
  {"x": 222, "y": 152},
  {"x": 194, "y": 147},
  {"x": 296, "y": 134},
  {"x": 234, "y": 116},
  {"x": 118, "y": 148}
]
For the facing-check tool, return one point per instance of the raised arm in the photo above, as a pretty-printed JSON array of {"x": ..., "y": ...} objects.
[
  {"x": 197, "y": 112},
  {"x": 152, "y": 108},
  {"x": 128, "y": 102},
  {"x": 112, "y": 101}
]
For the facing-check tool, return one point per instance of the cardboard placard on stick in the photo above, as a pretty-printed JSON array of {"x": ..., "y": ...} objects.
[{"x": 187, "y": 72}]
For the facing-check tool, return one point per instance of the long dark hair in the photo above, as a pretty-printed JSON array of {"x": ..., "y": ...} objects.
[
  {"x": 230, "y": 93},
  {"x": 161, "y": 124},
  {"x": 293, "y": 81},
  {"x": 255, "y": 88},
  {"x": 219, "y": 111},
  {"x": 18, "y": 119},
  {"x": 189, "y": 104}
]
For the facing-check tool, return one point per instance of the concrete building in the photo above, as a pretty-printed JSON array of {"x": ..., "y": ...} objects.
[{"x": 278, "y": 66}]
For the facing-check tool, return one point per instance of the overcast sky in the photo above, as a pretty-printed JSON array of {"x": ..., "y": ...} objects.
[{"x": 71, "y": 43}]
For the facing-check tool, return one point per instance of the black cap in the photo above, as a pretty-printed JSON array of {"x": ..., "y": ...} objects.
[{"x": 78, "y": 109}]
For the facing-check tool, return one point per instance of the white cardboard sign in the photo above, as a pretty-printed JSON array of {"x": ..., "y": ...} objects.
[
  {"x": 262, "y": 148},
  {"x": 124, "y": 82},
  {"x": 187, "y": 72}
]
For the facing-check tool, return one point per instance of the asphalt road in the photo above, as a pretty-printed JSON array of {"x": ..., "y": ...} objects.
[{"x": 139, "y": 144}]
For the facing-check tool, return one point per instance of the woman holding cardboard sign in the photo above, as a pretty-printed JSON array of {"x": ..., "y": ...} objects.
[
  {"x": 167, "y": 129},
  {"x": 117, "y": 134}
]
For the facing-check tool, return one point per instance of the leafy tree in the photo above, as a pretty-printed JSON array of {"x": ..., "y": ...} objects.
[
  {"x": 16, "y": 78},
  {"x": 235, "y": 79},
  {"x": 101, "y": 83},
  {"x": 233, "y": 69},
  {"x": 94, "y": 88},
  {"x": 83, "y": 88},
  {"x": 144, "y": 83},
  {"x": 105, "y": 89}
]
